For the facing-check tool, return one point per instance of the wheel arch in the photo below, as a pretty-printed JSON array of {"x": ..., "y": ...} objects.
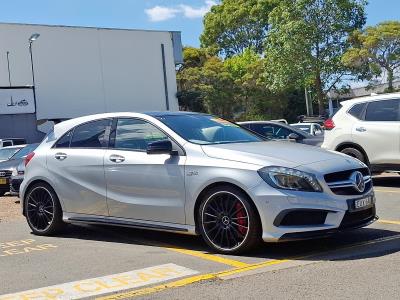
[
  {"x": 221, "y": 184},
  {"x": 344, "y": 145}
]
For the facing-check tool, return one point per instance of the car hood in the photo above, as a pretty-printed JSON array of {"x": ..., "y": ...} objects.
[
  {"x": 269, "y": 153},
  {"x": 9, "y": 164}
]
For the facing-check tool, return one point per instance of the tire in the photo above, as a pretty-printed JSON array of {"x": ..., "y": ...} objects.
[
  {"x": 353, "y": 152},
  {"x": 228, "y": 221},
  {"x": 43, "y": 210},
  {"x": 2, "y": 194}
]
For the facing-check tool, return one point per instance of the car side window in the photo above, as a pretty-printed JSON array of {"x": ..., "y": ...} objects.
[
  {"x": 385, "y": 110},
  {"x": 91, "y": 135},
  {"x": 271, "y": 131},
  {"x": 134, "y": 134},
  {"x": 358, "y": 110},
  {"x": 7, "y": 143},
  {"x": 64, "y": 141}
]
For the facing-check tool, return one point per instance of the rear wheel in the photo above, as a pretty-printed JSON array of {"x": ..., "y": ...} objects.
[
  {"x": 354, "y": 153},
  {"x": 42, "y": 209},
  {"x": 228, "y": 221},
  {"x": 2, "y": 194}
]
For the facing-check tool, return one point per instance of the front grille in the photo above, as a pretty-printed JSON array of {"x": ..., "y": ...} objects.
[
  {"x": 357, "y": 218},
  {"x": 5, "y": 173},
  {"x": 344, "y": 175},
  {"x": 340, "y": 183}
]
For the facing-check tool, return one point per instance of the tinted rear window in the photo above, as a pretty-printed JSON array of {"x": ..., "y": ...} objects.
[
  {"x": 385, "y": 110},
  {"x": 357, "y": 110},
  {"x": 90, "y": 135}
]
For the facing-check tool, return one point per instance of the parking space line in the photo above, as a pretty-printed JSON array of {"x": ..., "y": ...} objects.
[
  {"x": 206, "y": 256},
  {"x": 389, "y": 222},
  {"x": 222, "y": 274}
]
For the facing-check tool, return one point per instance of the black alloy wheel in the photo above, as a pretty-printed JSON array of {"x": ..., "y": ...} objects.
[
  {"x": 42, "y": 210},
  {"x": 228, "y": 221}
]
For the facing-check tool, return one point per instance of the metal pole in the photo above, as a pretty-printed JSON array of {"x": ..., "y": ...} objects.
[
  {"x": 33, "y": 75},
  {"x": 165, "y": 76},
  {"x": 307, "y": 106},
  {"x": 8, "y": 68}
]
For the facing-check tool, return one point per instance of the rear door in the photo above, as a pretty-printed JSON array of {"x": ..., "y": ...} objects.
[
  {"x": 139, "y": 185},
  {"x": 77, "y": 167},
  {"x": 377, "y": 130}
]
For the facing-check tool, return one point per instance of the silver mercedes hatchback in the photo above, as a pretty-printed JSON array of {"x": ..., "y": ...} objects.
[{"x": 195, "y": 174}]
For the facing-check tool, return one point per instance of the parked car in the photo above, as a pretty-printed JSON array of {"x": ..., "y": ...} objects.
[
  {"x": 11, "y": 142},
  {"x": 191, "y": 173},
  {"x": 17, "y": 176},
  {"x": 368, "y": 129},
  {"x": 280, "y": 131},
  {"x": 7, "y": 167},
  {"x": 311, "y": 128},
  {"x": 7, "y": 152}
]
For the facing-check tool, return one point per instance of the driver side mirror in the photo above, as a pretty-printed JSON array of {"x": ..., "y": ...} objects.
[
  {"x": 159, "y": 147},
  {"x": 294, "y": 137}
]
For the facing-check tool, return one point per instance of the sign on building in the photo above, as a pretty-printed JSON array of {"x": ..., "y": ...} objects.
[{"x": 16, "y": 100}]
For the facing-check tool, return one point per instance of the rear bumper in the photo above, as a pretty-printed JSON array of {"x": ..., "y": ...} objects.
[{"x": 15, "y": 184}]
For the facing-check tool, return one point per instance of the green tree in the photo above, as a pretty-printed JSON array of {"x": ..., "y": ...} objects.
[
  {"x": 377, "y": 48},
  {"x": 205, "y": 85},
  {"x": 306, "y": 42},
  {"x": 235, "y": 25}
]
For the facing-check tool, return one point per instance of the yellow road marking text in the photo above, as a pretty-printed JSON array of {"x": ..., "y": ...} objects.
[{"x": 22, "y": 247}]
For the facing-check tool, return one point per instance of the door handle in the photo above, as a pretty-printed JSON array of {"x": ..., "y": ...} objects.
[
  {"x": 361, "y": 129},
  {"x": 117, "y": 158},
  {"x": 60, "y": 156}
]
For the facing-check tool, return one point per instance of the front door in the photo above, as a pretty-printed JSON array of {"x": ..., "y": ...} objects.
[{"x": 143, "y": 186}]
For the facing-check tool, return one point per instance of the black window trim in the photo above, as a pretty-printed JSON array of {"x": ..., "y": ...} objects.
[
  {"x": 72, "y": 130},
  {"x": 113, "y": 132}
]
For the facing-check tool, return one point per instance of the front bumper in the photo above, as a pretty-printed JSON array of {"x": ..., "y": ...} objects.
[
  {"x": 15, "y": 183},
  {"x": 314, "y": 214}
]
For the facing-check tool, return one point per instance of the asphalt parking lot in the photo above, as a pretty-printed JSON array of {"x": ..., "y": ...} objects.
[{"x": 119, "y": 263}]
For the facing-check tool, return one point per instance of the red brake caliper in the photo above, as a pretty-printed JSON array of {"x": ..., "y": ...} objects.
[{"x": 240, "y": 218}]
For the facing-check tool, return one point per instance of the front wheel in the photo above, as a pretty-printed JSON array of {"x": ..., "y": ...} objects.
[
  {"x": 42, "y": 209},
  {"x": 228, "y": 221}
]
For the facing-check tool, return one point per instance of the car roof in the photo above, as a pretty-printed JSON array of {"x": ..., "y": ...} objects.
[{"x": 370, "y": 98}]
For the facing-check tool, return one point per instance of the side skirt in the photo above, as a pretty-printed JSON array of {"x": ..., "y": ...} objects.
[{"x": 140, "y": 224}]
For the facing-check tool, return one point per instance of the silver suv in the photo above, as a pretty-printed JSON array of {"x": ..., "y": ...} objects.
[
  {"x": 367, "y": 129},
  {"x": 195, "y": 174}
]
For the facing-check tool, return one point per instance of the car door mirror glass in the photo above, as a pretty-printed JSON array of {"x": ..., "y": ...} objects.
[
  {"x": 294, "y": 136},
  {"x": 159, "y": 147}
]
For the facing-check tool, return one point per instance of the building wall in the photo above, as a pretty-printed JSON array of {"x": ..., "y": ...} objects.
[
  {"x": 20, "y": 126},
  {"x": 82, "y": 71}
]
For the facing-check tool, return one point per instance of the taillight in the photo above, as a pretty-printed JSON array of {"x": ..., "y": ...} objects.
[
  {"x": 29, "y": 157},
  {"x": 329, "y": 124}
]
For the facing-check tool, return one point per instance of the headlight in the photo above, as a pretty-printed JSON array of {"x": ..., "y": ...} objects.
[{"x": 290, "y": 179}]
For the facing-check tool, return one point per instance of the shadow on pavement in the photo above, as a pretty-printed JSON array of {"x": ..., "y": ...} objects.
[{"x": 287, "y": 250}]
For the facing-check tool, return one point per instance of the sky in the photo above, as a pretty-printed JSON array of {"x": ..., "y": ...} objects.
[{"x": 181, "y": 15}]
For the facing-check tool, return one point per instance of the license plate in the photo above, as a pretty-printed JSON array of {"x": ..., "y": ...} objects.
[
  {"x": 3, "y": 181},
  {"x": 361, "y": 203}
]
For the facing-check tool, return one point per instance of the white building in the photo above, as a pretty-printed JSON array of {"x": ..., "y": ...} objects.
[{"x": 80, "y": 71}]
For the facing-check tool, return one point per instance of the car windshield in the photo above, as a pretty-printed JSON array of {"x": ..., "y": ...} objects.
[
  {"x": 207, "y": 129},
  {"x": 6, "y": 153},
  {"x": 306, "y": 128},
  {"x": 24, "y": 151}
]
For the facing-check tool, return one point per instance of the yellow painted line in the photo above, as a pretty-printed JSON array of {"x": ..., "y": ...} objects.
[
  {"x": 187, "y": 281},
  {"x": 387, "y": 191},
  {"x": 222, "y": 274},
  {"x": 389, "y": 222},
  {"x": 214, "y": 258},
  {"x": 251, "y": 267}
]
